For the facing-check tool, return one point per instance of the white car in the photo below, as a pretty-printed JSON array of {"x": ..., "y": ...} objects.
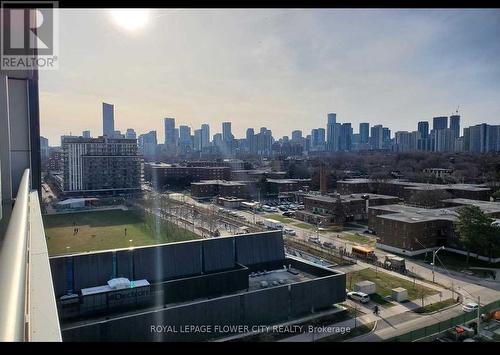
[
  {"x": 289, "y": 231},
  {"x": 470, "y": 307},
  {"x": 359, "y": 296}
]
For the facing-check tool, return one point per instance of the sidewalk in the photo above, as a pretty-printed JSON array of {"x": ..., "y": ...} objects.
[{"x": 349, "y": 323}]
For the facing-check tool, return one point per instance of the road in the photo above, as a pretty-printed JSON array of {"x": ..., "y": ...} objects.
[{"x": 399, "y": 319}]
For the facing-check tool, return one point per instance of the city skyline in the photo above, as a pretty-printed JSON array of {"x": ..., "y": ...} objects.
[{"x": 288, "y": 67}]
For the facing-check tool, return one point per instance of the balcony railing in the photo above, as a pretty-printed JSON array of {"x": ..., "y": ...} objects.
[{"x": 27, "y": 303}]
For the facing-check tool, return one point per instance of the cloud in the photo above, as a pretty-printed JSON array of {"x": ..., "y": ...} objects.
[{"x": 283, "y": 69}]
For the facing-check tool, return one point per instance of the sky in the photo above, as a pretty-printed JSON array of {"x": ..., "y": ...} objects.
[{"x": 283, "y": 69}]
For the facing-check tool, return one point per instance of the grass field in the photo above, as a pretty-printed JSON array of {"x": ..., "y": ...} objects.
[
  {"x": 304, "y": 226},
  {"x": 435, "y": 306},
  {"x": 101, "y": 230},
  {"x": 358, "y": 238},
  {"x": 280, "y": 218},
  {"x": 385, "y": 283}
]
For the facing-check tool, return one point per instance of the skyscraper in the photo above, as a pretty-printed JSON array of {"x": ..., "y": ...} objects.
[
  {"x": 440, "y": 122},
  {"x": 250, "y": 140},
  {"x": 44, "y": 148},
  {"x": 364, "y": 132},
  {"x": 197, "y": 139},
  {"x": 321, "y": 138},
  {"x": 455, "y": 125},
  {"x": 108, "y": 120},
  {"x": 86, "y": 134},
  {"x": 314, "y": 138},
  {"x": 130, "y": 134},
  {"x": 170, "y": 136},
  {"x": 184, "y": 136},
  {"x": 330, "y": 130},
  {"x": 297, "y": 136},
  {"x": 423, "y": 128},
  {"x": 345, "y": 137},
  {"x": 376, "y": 137},
  {"x": 227, "y": 136},
  {"x": 205, "y": 135}
]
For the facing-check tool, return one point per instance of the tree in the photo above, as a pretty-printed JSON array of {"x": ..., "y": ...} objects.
[{"x": 474, "y": 229}]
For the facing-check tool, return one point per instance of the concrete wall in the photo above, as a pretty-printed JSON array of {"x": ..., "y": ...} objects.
[
  {"x": 168, "y": 261},
  {"x": 261, "y": 307}
]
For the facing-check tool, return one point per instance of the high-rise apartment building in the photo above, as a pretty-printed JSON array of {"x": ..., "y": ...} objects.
[
  {"x": 100, "y": 165},
  {"x": 205, "y": 135},
  {"x": 44, "y": 149},
  {"x": 184, "y": 136},
  {"x": 130, "y": 134},
  {"x": 364, "y": 132},
  {"x": 148, "y": 143},
  {"x": 108, "y": 120},
  {"x": 197, "y": 141},
  {"x": 345, "y": 137},
  {"x": 331, "y": 131},
  {"x": 227, "y": 135},
  {"x": 86, "y": 134},
  {"x": 455, "y": 125},
  {"x": 170, "y": 133},
  {"x": 376, "y": 137},
  {"x": 440, "y": 122}
]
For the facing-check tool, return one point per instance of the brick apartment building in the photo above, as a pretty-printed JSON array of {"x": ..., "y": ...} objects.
[
  {"x": 413, "y": 230},
  {"x": 405, "y": 189},
  {"x": 161, "y": 174},
  {"x": 341, "y": 208}
]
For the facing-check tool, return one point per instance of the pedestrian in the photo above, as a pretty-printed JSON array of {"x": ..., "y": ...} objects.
[{"x": 458, "y": 299}]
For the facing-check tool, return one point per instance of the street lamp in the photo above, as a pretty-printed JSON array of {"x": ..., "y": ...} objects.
[{"x": 433, "y": 261}]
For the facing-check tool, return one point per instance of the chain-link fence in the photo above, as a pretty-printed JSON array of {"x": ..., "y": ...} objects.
[{"x": 443, "y": 325}]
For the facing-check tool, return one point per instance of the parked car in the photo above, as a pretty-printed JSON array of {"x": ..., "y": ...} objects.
[
  {"x": 288, "y": 214},
  {"x": 359, "y": 296},
  {"x": 470, "y": 307},
  {"x": 289, "y": 231}
]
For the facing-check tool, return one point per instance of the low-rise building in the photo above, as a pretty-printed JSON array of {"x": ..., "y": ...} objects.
[
  {"x": 161, "y": 174},
  {"x": 207, "y": 189},
  {"x": 325, "y": 209},
  {"x": 412, "y": 230},
  {"x": 406, "y": 189}
]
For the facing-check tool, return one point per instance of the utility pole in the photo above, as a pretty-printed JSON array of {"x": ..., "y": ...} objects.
[
  {"x": 478, "y": 313},
  {"x": 434, "y": 262}
]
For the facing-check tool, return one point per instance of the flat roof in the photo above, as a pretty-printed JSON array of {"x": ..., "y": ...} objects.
[
  {"x": 286, "y": 278},
  {"x": 486, "y": 206},
  {"x": 218, "y": 182},
  {"x": 419, "y": 185},
  {"x": 350, "y": 197},
  {"x": 288, "y": 181}
]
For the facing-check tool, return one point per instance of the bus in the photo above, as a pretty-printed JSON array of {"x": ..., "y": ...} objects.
[{"x": 364, "y": 253}]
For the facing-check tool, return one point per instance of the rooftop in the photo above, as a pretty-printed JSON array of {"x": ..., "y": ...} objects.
[
  {"x": 219, "y": 182},
  {"x": 347, "y": 198},
  {"x": 419, "y": 185}
]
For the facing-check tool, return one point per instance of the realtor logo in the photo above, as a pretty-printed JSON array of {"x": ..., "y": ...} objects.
[{"x": 29, "y": 35}]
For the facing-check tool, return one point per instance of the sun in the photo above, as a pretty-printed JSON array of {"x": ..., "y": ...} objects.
[{"x": 131, "y": 19}]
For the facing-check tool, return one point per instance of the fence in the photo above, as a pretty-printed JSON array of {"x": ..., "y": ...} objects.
[
  {"x": 329, "y": 254},
  {"x": 443, "y": 325}
]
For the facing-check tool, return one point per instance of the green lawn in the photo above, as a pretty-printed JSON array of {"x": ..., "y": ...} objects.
[
  {"x": 101, "y": 230},
  {"x": 435, "y": 306},
  {"x": 357, "y": 238},
  {"x": 280, "y": 218},
  {"x": 385, "y": 283},
  {"x": 304, "y": 226}
]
